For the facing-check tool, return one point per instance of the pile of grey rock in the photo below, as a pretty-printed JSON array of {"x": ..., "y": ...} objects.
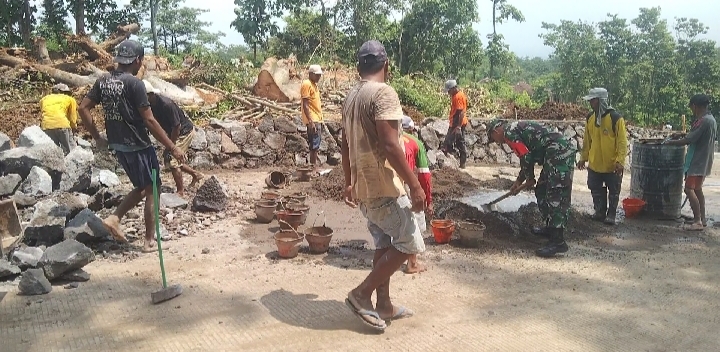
[{"x": 37, "y": 267}]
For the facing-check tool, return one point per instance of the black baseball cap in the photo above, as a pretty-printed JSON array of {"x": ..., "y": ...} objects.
[
  {"x": 128, "y": 51},
  {"x": 700, "y": 100},
  {"x": 372, "y": 52}
]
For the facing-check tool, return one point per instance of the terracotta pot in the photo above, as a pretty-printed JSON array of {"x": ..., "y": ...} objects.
[
  {"x": 303, "y": 174},
  {"x": 318, "y": 239},
  {"x": 289, "y": 220},
  {"x": 265, "y": 211},
  {"x": 288, "y": 243}
]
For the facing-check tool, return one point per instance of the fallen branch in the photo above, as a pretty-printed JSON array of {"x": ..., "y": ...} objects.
[
  {"x": 121, "y": 33},
  {"x": 59, "y": 76},
  {"x": 95, "y": 52},
  {"x": 271, "y": 105}
]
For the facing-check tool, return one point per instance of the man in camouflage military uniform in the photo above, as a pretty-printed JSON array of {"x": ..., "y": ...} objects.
[{"x": 535, "y": 144}]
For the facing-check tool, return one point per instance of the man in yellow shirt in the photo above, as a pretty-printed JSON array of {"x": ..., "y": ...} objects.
[
  {"x": 311, "y": 114},
  {"x": 605, "y": 147},
  {"x": 59, "y": 116}
]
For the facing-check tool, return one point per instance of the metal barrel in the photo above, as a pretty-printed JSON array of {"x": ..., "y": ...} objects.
[{"x": 657, "y": 176}]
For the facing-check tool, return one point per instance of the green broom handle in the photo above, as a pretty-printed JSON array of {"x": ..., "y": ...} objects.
[{"x": 156, "y": 208}]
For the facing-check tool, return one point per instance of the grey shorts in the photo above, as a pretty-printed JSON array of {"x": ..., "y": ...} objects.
[{"x": 392, "y": 223}]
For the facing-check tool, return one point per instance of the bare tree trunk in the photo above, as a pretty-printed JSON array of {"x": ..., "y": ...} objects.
[
  {"x": 42, "y": 51},
  {"x": 26, "y": 23},
  {"x": 79, "y": 17},
  {"x": 94, "y": 51},
  {"x": 153, "y": 14}
]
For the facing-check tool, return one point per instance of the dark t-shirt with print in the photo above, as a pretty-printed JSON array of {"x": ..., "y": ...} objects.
[
  {"x": 121, "y": 96},
  {"x": 170, "y": 115}
]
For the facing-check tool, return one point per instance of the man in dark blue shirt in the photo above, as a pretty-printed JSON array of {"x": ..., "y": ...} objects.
[{"x": 128, "y": 119}]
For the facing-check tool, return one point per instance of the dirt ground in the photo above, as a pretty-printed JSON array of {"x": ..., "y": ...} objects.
[{"x": 640, "y": 286}]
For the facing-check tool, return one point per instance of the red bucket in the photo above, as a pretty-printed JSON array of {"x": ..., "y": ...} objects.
[
  {"x": 632, "y": 207},
  {"x": 442, "y": 230}
]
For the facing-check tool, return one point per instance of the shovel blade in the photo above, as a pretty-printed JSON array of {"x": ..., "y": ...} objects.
[{"x": 166, "y": 294}]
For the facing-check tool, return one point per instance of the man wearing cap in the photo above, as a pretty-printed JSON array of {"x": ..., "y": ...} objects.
[
  {"x": 59, "y": 116},
  {"x": 416, "y": 157},
  {"x": 455, "y": 138},
  {"x": 128, "y": 118},
  {"x": 375, "y": 167},
  {"x": 535, "y": 144},
  {"x": 181, "y": 131},
  {"x": 311, "y": 112},
  {"x": 605, "y": 147},
  {"x": 699, "y": 157}
]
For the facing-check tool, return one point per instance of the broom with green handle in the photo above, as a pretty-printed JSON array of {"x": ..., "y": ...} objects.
[{"x": 166, "y": 293}]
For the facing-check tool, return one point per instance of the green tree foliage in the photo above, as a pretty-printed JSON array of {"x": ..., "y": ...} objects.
[
  {"x": 650, "y": 74},
  {"x": 53, "y": 24},
  {"x": 179, "y": 29},
  {"x": 497, "y": 51},
  {"x": 256, "y": 21},
  {"x": 307, "y": 33}
]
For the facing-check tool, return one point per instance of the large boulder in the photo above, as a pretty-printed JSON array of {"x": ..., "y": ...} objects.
[
  {"x": 32, "y": 136},
  {"x": 103, "y": 178},
  {"x": 38, "y": 183},
  {"x": 78, "y": 170},
  {"x": 33, "y": 282},
  {"x": 255, "y": 151},
  {"x": 78, "y": 275},
  {"x": 21, "y": 160},
  {"x": 65, "y": 256},
  {"x": 430, "y": 138},
  {"x": 210, "y": 196},
  {"x": 228, "y": 125},
  {"x": 202, "y": 160},
  {"x": 227, "y": 145},
  {"x": 8, "y": 269},
  {"x": 26, "y": 257},
  {"x": 441, "y": 127},
  {"x": 276, "y": 141},
  {"x": 86, "y": 228},
  {"x": 285, "y": 125},
  {"x": 47, "y": 224},
  {"x": 9, "y": 184},
  {"x": 5, "y": 142},
  {"x": 239, "y": 136}
]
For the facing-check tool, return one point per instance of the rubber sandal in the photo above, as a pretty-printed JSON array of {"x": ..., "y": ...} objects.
[
  {"x": 362, "y": 313},
  {"x": 693, "y": 227},
  {"x": 402, "y": 313}
]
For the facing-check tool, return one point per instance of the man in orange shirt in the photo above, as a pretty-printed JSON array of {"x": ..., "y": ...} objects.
[
  {"x": 311, "y": 113},
  {"x": 455, "y": 138}
]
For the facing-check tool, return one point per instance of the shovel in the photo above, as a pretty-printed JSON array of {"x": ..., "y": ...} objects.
[
  {"x": 491, "y": 207},
  {"x": 166, "y": 293}
]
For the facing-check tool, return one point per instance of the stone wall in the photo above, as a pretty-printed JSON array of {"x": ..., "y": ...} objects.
[{"x": 282, "y": 142}]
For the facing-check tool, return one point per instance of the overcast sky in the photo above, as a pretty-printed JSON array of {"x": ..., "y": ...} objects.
[{"x": 523, "y": 37}]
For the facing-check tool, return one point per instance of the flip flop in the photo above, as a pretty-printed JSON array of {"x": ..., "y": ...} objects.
[
  {"x": 362, "y": 313},
  {"x": 402, "y": 313},
  {"x": 693, "y": 227},
  {"x": 690, "y": 222}
]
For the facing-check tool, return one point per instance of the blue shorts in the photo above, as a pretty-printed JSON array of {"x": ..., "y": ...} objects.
[
  {"x": 138, "y": 166},
  {"x": 314, "y": 139}
]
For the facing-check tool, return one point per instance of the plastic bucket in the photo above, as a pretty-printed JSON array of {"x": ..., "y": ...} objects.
[
  {"x": 470, "y": 233},
  {"x": 276, "y": 179},
  {"x": 442, "y": 230},
  {"x": 632, "y": 207},
  {"x": 288, "y": 243},
  {"x": 318, "y": 239}
]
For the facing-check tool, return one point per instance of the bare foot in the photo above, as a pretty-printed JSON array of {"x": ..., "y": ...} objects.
[
  {"x": 180, "y": 193},
  {"x": 414, "y": 269},
  {"x": 196, "y": 179},
  {"x": 150, "y": 246},
  {"x": 112, "y": 224}
]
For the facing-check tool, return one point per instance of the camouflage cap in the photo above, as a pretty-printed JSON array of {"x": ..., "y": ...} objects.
[{"x": 492, "y": 126}]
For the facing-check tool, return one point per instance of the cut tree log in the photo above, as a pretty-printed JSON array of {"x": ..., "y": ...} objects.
[
  {"x": 180, "y": 78},
  {"x": 59, "y": 76},
  {"x": 95, "y": 52},
  {"x": 42, "y": 51},
  {"x": 121, "y": 33}
]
